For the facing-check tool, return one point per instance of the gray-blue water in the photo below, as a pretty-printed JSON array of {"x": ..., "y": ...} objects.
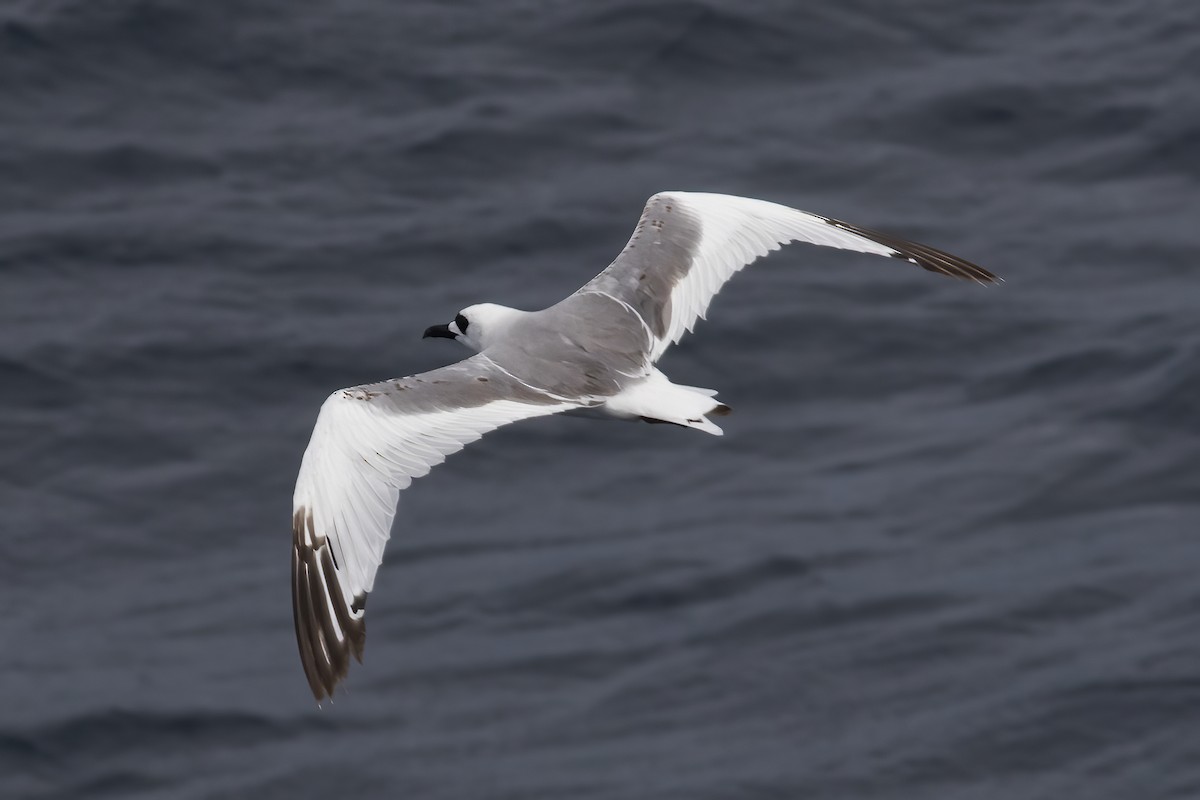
[{"x": 947, "y": 548}]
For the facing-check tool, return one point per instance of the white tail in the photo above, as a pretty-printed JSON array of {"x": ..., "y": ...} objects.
[{"x": 656, "y": 399}]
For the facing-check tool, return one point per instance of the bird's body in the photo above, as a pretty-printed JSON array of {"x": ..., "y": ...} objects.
[{"x": 592, "y": 353}]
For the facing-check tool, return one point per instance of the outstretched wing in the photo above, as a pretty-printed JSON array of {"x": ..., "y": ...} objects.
[
  {"x": 687, "y": 245},
  {"x": 368, "y": 444}
]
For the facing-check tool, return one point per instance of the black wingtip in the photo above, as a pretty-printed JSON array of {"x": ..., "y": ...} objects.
[
  {"x": 923, "y": 256},
  {"x": 320, "y": 612}
]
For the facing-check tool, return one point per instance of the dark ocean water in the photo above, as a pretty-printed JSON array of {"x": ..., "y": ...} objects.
[{"x": 947, "y": 549}]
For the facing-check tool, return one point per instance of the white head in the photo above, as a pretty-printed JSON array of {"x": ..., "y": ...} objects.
[{"x": 478, "y": 326}]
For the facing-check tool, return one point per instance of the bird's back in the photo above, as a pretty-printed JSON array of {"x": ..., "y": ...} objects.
[{"x": 586, "y": 345}]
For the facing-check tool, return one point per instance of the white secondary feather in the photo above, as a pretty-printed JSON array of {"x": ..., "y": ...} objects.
[
  {"x": 735, "y": 231},
  {"x": 361, "y": 456}
]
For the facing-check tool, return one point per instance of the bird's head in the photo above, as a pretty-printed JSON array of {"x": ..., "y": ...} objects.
[{"x": 477, "y": 326}]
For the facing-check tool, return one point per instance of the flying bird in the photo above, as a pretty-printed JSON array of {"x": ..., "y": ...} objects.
[{"x": 592, "y": 353}]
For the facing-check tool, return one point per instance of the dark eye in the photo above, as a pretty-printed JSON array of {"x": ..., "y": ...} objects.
[{"x": 461, "y": 322}]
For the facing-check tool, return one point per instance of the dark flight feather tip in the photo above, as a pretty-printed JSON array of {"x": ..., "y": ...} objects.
[{"x": 327, "y": 631}]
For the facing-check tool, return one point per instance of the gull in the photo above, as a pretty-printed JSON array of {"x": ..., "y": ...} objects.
[{"x": 593, "y": 353}]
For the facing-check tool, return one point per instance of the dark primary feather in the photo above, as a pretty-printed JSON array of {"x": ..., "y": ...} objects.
[
  {"x": 325, "y": 655},
  {"x": 922, "y": 255}
]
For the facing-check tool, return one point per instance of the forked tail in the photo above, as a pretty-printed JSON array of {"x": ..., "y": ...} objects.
[{"x": 656, "y": 399}]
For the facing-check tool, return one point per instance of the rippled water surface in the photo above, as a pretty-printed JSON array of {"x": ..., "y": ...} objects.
[{"x": 947, "y": 548}]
